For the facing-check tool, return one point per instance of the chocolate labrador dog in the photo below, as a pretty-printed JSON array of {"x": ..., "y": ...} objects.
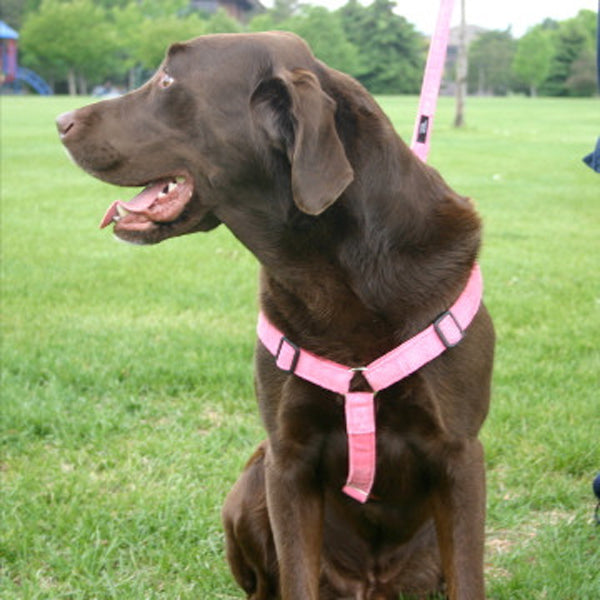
[{"x": 374, "y": 361}]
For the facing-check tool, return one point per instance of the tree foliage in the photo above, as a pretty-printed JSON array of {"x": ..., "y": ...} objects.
[
  {"x": 389, "y": 46},
  {"x": 573, "y": 42},
  {"x": 321, "y": 29},
  {"x": 533, "y": 57},
  {"x": 92, "y": 40},
  {"x": 490, "y": 59},
  {"x": 11, "y": 12},
  {"x": 554, "y": 58},
  {"x": 71, "y": 40},
  {"x": 155, "y": 35}
]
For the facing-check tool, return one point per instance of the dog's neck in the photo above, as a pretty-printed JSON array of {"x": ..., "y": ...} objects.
[{"x": 393, "y": 252}]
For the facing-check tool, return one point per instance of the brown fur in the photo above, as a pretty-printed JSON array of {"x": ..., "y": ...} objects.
[{"x": 361, "y": 246}]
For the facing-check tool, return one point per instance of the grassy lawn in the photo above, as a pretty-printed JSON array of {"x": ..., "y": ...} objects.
[{"x": 127, "y": 408}]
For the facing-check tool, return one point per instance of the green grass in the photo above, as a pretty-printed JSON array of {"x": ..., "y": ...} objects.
[{"x": 127, "y": 407}]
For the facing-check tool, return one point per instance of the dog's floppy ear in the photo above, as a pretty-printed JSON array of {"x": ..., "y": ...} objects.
[{"x": 298, "y": 117}]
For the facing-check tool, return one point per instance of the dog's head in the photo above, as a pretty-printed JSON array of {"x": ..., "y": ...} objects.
[{"x": 227, "y": 122}]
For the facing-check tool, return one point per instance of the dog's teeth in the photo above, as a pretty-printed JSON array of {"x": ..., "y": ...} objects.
[
  {"x": 172, "y": 186},
  {"x": 122, "y": 212},
  {"x": 161, "y": 194}
]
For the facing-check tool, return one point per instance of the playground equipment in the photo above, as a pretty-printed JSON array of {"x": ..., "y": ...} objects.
[
  {"x": 12, "y": 74},
  {"x": 32, "y": 79}
]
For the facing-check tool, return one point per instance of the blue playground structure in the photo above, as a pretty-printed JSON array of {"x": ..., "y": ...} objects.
[{"x": 13, "y": 76}]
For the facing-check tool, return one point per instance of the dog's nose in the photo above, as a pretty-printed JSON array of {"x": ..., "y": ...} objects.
[{"x": 65, "y": 123}]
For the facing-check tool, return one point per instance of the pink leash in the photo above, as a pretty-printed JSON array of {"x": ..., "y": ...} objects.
[{"x": 431, "y": 82}]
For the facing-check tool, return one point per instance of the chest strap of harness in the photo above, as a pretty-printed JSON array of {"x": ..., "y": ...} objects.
[{"x": 444, "y": 332}]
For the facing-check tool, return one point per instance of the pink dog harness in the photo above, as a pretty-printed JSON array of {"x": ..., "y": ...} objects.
[{"x": 445, "y": 332}]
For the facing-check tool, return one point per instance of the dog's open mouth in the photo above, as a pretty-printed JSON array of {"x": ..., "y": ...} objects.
[{"x": 160, "y": 202}]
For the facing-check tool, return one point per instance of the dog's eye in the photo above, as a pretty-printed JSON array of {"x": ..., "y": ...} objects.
[{"x": 166, "y": 80}]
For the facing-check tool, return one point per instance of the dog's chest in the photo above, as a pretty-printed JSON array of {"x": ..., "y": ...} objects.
[{"x": 404, "y": 454}]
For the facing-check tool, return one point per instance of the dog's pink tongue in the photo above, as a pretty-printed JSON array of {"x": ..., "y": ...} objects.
[{"x": 137, "y": 204}]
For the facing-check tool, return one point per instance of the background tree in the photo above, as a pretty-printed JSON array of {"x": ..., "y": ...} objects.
[
  {"x": 70, "y": 39},
  {"x": 263, "y": 22},
  {"x": 11, "y": 12},
  {"x": 353, "y": 16},
  {"x": 284, "y": 9},
  {"x": 490, "y": 60},
  {"x": 533, "y": 57},
  {"x": 126, "y": 21},
  {"x": 156, "y": 9},
  {"x": 582, "y": 80},
  {"x": 139, "y": 26},
  {"x": 572, "y": 39},
  {"x": 83, "y": 41},
  {"x": 462, "y": 69},
  {"x": 389, "y": 46},
  {"x": 155, "y": 35},
  {"x": 322, "y": 30},
  {"x": 221, "y": 22}
]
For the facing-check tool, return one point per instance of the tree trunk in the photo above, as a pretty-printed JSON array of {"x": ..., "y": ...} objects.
[
  {"x": 72, "y": 79},
  {"x": 83, "y": 85},
  {"x": 481, "y": 84},
  {"x": 461, "y": 70}
]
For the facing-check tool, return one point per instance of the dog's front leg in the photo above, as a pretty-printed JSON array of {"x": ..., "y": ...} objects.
[
  {"x": 459, "y": 511},
  {"x": 296, "y": 516}
]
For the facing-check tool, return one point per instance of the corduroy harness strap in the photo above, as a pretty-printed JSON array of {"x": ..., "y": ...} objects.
[{"x": 444, "y": 332}]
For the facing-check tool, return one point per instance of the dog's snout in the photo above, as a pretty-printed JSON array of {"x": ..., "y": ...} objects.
[{"x": 65, "y": 123}]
